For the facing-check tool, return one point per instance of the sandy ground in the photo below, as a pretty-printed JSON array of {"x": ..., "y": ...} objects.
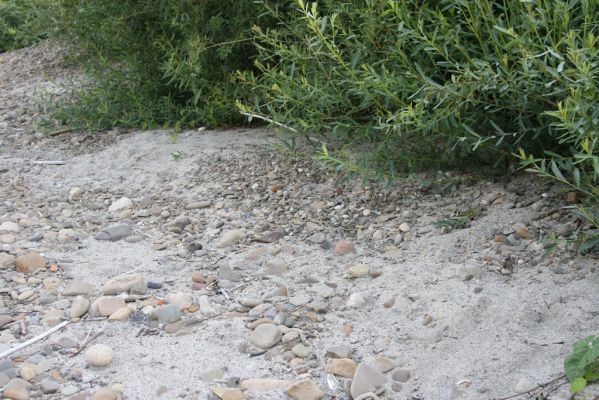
[{"x": 469, "y": 314}]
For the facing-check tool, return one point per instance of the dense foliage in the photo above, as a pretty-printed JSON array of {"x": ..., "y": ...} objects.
[{"x": 20, "y": 23}]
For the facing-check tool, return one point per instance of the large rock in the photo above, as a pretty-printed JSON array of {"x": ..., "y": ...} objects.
[
  {"x": 230, "y": 238},
  {"x": 266, "y": 336},
  {"x": 29, "y": 263},
  {"x": 366, "y": 379},
  {"x": 304, "y": 390},
  {"x": 131, "y": 283}
]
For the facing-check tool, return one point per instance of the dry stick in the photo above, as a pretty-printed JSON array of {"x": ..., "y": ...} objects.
[
  {"x": 86, "y": 342},
  {"x": 539, "y": 386},
  {"x": 34, "y": 339},
  {"x": 51, "y": 162},
  {"x": 58, "y": 132}
]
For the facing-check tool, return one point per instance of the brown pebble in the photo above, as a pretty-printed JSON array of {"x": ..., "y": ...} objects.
[{"x": 53, "y": 268}]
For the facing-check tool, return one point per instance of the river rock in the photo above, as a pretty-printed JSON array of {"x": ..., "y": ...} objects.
[
  {"x": 6, "y": 260},
  {"x": 129, "y": 283},
  {"x": 99, "y": 355},
  {"x": 230, "y": 238},
  {"x": 106, "y": 305},
  {"x": 266, "y": 336},
  {"x": 167, "y": 314},
  {"x": 79, "y": 307},
  {"x": 114, "y": 233},
  {"x": 29, "y": 263},
  {"x": 344, "y": 247},
  {"x": 344, "y": 367},
  {"x": 304, "y": 390},
  {"x": 366, "y": 379},
  {"x": 182, "y": 300},
  {"x": 79, "y": 288}
]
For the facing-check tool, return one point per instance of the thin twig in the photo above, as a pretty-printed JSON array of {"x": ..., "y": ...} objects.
[
  {"x": 58, "y": 132},
  {"x": 269, "y": 120},
  {"x": 539, "y": 386},
  {"x": 86, "y": 342},
  {"x": 34, "y": 339},
  {"x": 50, "y": 162}
]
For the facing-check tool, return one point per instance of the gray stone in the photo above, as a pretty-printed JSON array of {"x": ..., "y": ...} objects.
[
  {"x": 99, "y": 355},
  {"x": 106, "y": 305},
  {"x": 523, "y": 385},
  {"x": 339, "y": 352},
  {"x": 266, "y": 336},
  {"x": 167, "y": 314},
  {"x": 230, "y": 238},
  {"x": 114, "y": 232},
  {"x": 6, "y": 261},
  {"x": 129, "y": 283},
  {"x": 79, "y": 288},
  {"x": 228, "y": 274},
  {"x": 401, "y": 375},
  {"x": 79, "y": 307},
  {"x": 48, "y": 386},
  {"x": 300, "y": 351},
  {"x": 120, "y": 204},
  {"x": 382, "y": 364},
  {"x": 449, "y": 392},
  {"x": 366, "y": 379},
  {"x": 212, "y": 375}
]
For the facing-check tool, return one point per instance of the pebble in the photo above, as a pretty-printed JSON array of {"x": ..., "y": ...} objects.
[
  {"x": 6, "y": 261},
  {"x": 300, "y": 350},
  {"x": 120, "y": 204},
  {"x": 167, "y": 314},
  {"x": 523, "y": 385},
  {"x": 29, "y": 263},
  {"x": 79, "y": 288},
  {"x": 5, "y": 319},
  {"x": 99, "y": 355},
  {"x": 266, "y": 336},
  {"x": 405, "y": 227},
  {"x": 339, "y": 352},
  {"x": 121, "y": 314},
  {"x": 9, "y": 227},
  {"x": 304, "y": 390},
  {"x": 401, "y": 375},
  {"x": 28, "y": 371},
  {"x": 228, "y": 274},
  {"x": 106, "y": 305},
  {"x": 344, "y": 247},
  {"x": 128, "y": 283},
  {"x": 230, "y": 238},
  {"x": 359, "y": 271},
  {"x": 114, "y": 233},
  {"x": 75, "y": 194},
  {"x": 356, "y": 300},
  {"x": 382, "y": 364},
  {"x": 198, "y": 204},
  {"x": 182, "y": 300},
  {"x": 366, "y": 379},
  {"x": 16, "y": 393},
  {"x": 344, "y": 367},
  {"x": 390, "y": 302},
  {"x": 48, "y": 386},
  {"x": 104, "y": 394},
  {"x": 226, "y": 393}
]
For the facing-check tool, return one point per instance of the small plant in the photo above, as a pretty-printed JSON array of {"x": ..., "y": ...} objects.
[
  {"x": 178, "y": 155},
  {"x": 460, "y": 221},
  {"x": 582, "y": 365}
]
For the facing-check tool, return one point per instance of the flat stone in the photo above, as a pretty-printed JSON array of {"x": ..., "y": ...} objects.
[
  {"x": 106, "y": 305},
  {"x": 266, "y": 336},
  {"x": 382, "y": 364},
  {"x": 264, "y": 385},
  {"x": 198, "y": 204},
  {"x": 212, "y": 375},
  {"x": 300, "y": 351},
  {"x": 6, "y": 261},
  {"x": 104, "y": 394},
  {"x": 79, "y": 307},
  {"x": 53, "y": 317},
  {"x": 99, "y": 355},
  {"x": 121, "y": 314},
  {"x": 344, "y": 247},
  {"x": 250, "y": 302},
  {"x": 128, "y": 283},
  {"x": 29, "y": 263},
  {"x": 401, "y": 375},
  {"x": 339, "y": 352},
  {"x": 304, "y": 390},
  {"x": 366, "y": 379},
  {"x": 225, "y": 393},
  {"x": 359, "y": 271},
  {"x": 120, "y": 204},
  {"x": 79, "y": 288},
  {"x": 182, "y": 300},
  {"x": 48, "y": 386},
  {"x": 344, "y": 367},
  {"x": 230, "y": 238},
  {"x": 114, "y": 233}
]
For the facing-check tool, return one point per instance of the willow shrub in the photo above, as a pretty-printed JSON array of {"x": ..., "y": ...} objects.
[
  {"x": 447, "y": 83},
  {"x": 157, "y": 62}
]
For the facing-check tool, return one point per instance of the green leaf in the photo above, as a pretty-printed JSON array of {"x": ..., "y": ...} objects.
[
  {"x": 578, "y": 385},
  {"x": 584, "y": 353}
]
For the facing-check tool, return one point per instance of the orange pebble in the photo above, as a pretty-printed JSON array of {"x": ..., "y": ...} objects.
[{"x": 53, "y": 268}]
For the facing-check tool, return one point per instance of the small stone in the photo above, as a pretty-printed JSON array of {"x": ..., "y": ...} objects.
[
  {"x": 9, "y": 227},
  {"x": 182, "y": 300},
  {"x": 390, "y": 302},
  {"x": 48, "y": 386},
  {"x": 198, "y": 204},
  {"x": 382, "y": 364},
  {"x": 99, "y": 355},
  {"x": 401, "y": 375},
  {"x": 366, "y": 379},
  {"x": 405, "y": 227},
  {"x": 129, "y": 283},
  {"x": 104, "y": 394},
  {"x": 212, "y": 375},
  {"x": 53, "y": 317},
  {"x": 167, "y": 314},
  {"x": 339, "y": 352},
  {"x": 523, "y": 386},
  {"x": 121, "y": 314},
  {"x": 198, "y": 277},
  {"x": 29, "y": 263},
  {"x": 300, "y": 351},
  {"x": 230, "y": 238},
  {"x": 344, "y": 367},
  {"x": 79, "y": 288},
  {"x": 356, "y": 300},
  {"x": 154, "y": 285},
  {"x": 227, "y": 393},
  {"x": 304, "y": 390},
  {"x": 106, "y": 305},
  {"x": 266, "y": 336},
  {"x": 522, "y": 231},
  {"x": 28, "y": 371},
  {"x": 228, "y": 274},
  {"x": 468, "y": 272},
  {"x": 114, "y": 233},
  {"x": 16, "y": 393},
  {"x": 120, "y": 204},
  {"x": 398, "y": 239},
  {"x": 75, "y": 194},
  {"x": 359, "y": 270},
  {"x": 250, "y": 302},
  {"x": 79, "y": 307},
  {"x": 6, "y": 261},
  {"x": 344, "y": 247},
  {"x": 571, "y": 197}
]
